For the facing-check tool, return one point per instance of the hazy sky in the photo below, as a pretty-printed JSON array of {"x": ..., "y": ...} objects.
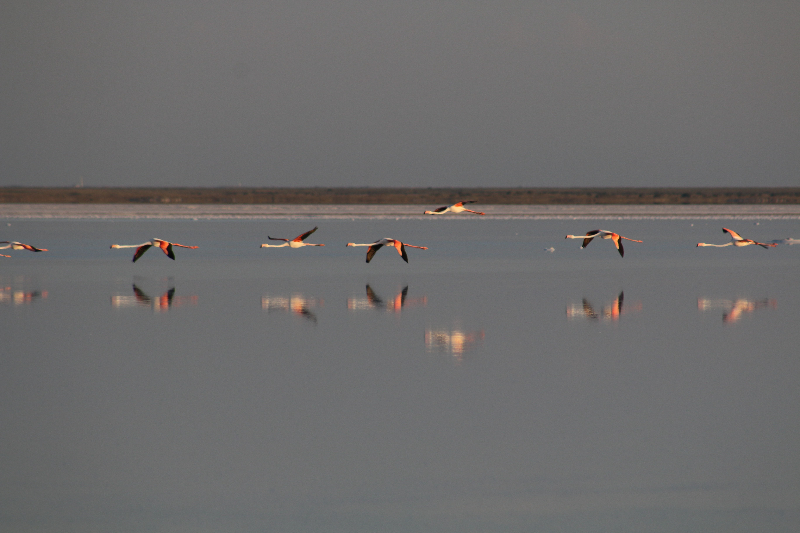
[{"x": 388, "y": 93}]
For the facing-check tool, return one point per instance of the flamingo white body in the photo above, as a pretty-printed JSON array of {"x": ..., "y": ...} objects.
[
  {"x": 297, "y": 242},
  {"x": 165, "y": 246},
  {"x": 14, "y": 245},
  {"x": 455, "y": 208},
  {"x": 737, "y": 240},
  {"x": 603, "y": 234},
  {"x": 377, "y": 245}
]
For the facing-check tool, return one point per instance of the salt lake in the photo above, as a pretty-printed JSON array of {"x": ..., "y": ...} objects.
[{"x": 503, "y": 380}]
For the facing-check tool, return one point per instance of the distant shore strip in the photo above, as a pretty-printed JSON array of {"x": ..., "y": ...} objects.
[
  {"x": 431, "y": 197},
  {"x": 343, "y": 212}
]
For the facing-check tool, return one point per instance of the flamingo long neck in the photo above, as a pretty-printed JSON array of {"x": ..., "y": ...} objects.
[
  {"x": 715, "y": 245},
  {"x": 275, "y": 245},
  {"x": 131, "y": 245}
]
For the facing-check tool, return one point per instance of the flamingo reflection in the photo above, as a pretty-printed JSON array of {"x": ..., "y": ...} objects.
[
  {"x": 19, "y": 297},
  {"x": 610, "y": 311},
  {"x": 158, "y": 304},
  {"x": 373, "y": 301},
  {"x": 734, "y": 309},
  {"x": 454, "y": 341},
  {"x": 296, "y": 303}
]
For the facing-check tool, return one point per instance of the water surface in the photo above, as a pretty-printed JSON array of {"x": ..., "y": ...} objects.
[{"x": 490, "y": 384}]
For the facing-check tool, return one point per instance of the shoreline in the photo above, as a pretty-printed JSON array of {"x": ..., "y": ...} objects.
[
  {"x": 372, "y": 211},
  {"x": 402, "y": 196}
]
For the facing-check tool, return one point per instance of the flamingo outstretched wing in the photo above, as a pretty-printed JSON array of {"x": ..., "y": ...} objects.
[
  {"x": 168, "y": 250},
  {"x": 371, "y": 251},
  {"x": 140, "y": 251},
  {"x": 401, "y": 249},
  {"x": 301, "y": 238},
  {"x": 587, "y": 240},
  {"x": 735, "y": 236}
]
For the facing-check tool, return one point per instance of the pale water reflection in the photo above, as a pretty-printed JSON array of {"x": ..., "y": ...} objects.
[
  {"x": 297, "y": 304},
  {"x": 374, "y": 302},
  {"x": 445, "y": 395},
  {"x": 19, "y": 297},
  {"x": 610, "y": 312},
  {"x": 733, "y": 310},
  {"x": 454, "y": 342},
  {"x": 162, "y": 303}
]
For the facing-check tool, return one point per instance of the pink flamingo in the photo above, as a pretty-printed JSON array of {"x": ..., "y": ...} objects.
[
  {"x": 297, "y": 242},
  {"x": 738, "y": 240},
  {"x": 14, "y": 245},
  {"x": 603, "y": 234},
  {"x": 377, "y": 245},
  {"x": 455, "y": 208},
  {"x": 165, "y": 246}
]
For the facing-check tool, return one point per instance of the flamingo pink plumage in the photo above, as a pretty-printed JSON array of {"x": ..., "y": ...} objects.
[
  {"x": 297, "y": 242},
  {"x": 455, "y": 208},
  {"x": 165, "y": 246},
  {"x": 377, "y": 245},
  {"x": 602, "y": 234},
  {"x": 14, "y": 245},
  {"x": 738, "y": 240}
]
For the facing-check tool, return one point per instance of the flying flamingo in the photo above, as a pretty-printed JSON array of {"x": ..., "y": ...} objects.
[
  {"x": 455, "y": 208},
  {"x": 14, "y": 245},
  {"x": 297, "y": 242},
  {"x": 165, "y": 246},
  {"x": 602, "y": 234},
  {"x": 399, "y": 246},
  {"x": 738, "y": 240}
]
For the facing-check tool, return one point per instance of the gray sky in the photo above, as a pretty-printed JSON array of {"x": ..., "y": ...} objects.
[{"x": 387, "y": 93}]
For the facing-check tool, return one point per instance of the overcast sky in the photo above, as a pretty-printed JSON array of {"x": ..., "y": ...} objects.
[{"x": 391, "y": 93}]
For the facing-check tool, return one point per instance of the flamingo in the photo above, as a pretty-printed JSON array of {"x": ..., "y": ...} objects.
[
  {"x": 738, "y": 240},
  {"x": 603, "y": 234},
  {"x": 297, "y": 242},
  {"x": 399, "y": 246},
  {"x": 165, "y": 246},
  {"x": 455, "y": 208},
  {"x": 14, "y": 245}
]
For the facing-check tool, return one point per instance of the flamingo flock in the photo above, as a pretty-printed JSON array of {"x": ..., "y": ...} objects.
[{"x": 373, "y": 247}]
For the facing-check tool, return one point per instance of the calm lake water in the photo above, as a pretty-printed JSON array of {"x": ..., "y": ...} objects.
[{"x": 490, "y": 384}]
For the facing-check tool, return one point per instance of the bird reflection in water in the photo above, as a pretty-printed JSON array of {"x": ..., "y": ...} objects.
[
  {"x": 734, "y": 309},
  {"x": 19, "y": 297},
  {"x": 396, "y": 304},
  {"x": 159, "y": 304},
  {"x": 296, "y": 303},
  {"x": 452, "y": 341},
  {"x": 610, "y": 312}
]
